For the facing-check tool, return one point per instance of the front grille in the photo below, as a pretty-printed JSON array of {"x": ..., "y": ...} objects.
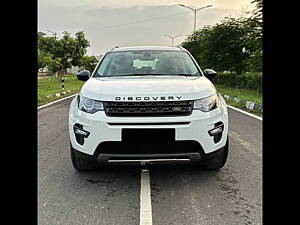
[{"x": 162, "y": 108}]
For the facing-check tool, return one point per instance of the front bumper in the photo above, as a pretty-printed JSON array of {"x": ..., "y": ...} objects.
[
  {"x": 190, "y": 157},
  {"x": 103, "y": 129}
]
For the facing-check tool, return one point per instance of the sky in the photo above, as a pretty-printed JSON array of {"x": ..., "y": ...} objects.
[{"x": 109, "y": 23}]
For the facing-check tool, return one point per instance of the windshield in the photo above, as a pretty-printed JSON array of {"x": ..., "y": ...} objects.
[{"x": 147, "y": 62}]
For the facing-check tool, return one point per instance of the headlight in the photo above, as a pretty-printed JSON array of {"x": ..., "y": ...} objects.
[
  {"x": 207, "y": 104},
  {"x": 89, "y": 105}
]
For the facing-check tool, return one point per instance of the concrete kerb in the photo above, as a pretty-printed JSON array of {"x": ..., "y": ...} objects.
[
  {"x": 60, "y": 93},
  {"x": 248, "y": 104}
]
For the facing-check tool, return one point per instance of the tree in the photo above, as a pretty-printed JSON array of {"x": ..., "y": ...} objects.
[
  {"x": 257, "y": 12},
  {"x": 49, "y": 44},
  {"x": 68, "y": 51},
  {"x": 194, "y": 42},
  {"x": 253, "y": 44},
  {"x": 219, "y": 47},
  {"x": 234, "y": 44},
  {"x": 72, "y": 50},
  {"x": 48, "y": 48},
  {"x": 46, "y": 59},
  {"x": 89, "y": 63},
  {"x": 81, "y": 45}
]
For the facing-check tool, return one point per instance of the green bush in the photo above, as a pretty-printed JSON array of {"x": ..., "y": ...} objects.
[{"x": 250, "y": 80}]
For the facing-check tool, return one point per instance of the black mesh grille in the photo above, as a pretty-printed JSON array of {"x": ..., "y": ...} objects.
[{"x": 162, "y": 108}]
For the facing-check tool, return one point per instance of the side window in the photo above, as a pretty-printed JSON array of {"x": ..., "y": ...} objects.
[
  {"x": 189, "y": 64},
  {"x": 104, "y": 65}
]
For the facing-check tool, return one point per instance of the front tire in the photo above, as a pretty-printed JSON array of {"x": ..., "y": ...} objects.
[
  {"x": 81, "y": 164},
  {"x": 219, "y": 161}
]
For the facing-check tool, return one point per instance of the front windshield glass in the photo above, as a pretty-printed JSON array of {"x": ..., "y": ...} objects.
[{"x": 147, "y": 62}]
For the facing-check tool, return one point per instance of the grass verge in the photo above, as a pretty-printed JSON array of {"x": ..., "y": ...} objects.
[
  {"x": 243, "y": 94},
  {"x": 51, "y": 85}
]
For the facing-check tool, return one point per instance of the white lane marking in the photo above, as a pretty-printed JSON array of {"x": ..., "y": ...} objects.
[
  {"x": 59, "y": 100},
  {"x": 247, "y": 113},
  {"x": 145, "y": 199}
]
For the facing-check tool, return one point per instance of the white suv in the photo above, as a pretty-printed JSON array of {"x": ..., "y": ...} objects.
[{"x": 148, "y": 104}]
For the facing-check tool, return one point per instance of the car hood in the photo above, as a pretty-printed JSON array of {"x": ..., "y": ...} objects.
[{"x": 139, "y": 88}]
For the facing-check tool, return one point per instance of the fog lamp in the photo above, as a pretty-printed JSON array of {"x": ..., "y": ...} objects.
[
  {"x": 81, "y": 132},
  {"x": 216, "y": 130}
]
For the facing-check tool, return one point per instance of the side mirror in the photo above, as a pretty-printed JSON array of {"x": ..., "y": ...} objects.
[
  {"x": 83, "y": 75},
  {"x": 210, "y": 74}
]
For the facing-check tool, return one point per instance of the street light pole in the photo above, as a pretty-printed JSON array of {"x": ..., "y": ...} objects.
[
  {"x": 172, "y": 37},
  {"x": 195, "y": 12},
  {"x": 195, "y": 18}
]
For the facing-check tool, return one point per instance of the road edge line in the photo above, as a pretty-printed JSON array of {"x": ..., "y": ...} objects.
[
  {"x": 247, "y": 113},
  {"x": 145, "y": 199},
  {"x": 59, "y": 100}
]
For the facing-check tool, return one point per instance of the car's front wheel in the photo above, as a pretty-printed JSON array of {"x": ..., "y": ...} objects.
[
  {"x": 219, "y": 161},
  {"x": 81, "y": 164}
]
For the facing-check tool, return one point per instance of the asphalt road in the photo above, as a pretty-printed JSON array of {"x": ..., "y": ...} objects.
[{"x": 180, "y": 194}]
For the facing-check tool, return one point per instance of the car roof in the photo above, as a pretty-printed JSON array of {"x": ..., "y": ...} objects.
[{"x": 135, "y": 48}]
